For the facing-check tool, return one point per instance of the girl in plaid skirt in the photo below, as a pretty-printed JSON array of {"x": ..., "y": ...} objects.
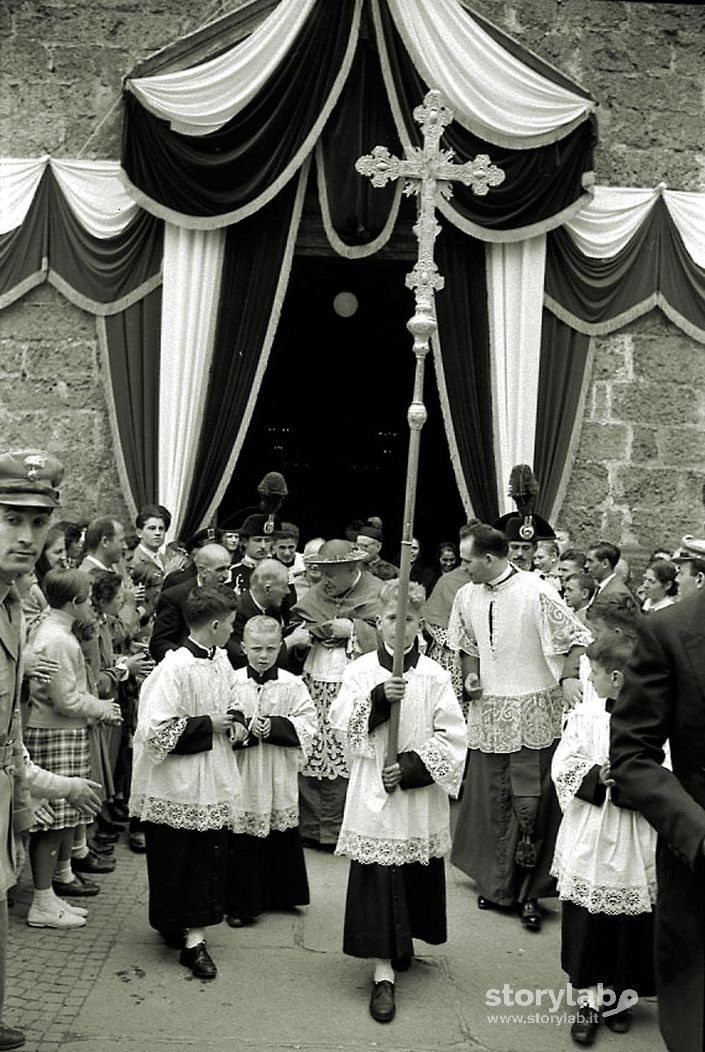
[{"x": 57, "y": 738}]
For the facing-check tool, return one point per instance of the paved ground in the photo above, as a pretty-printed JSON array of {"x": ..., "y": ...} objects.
[{"x": 284, "y": 984}]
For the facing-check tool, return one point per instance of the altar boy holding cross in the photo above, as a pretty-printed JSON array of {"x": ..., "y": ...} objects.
[{"x": 396, "y": 826}]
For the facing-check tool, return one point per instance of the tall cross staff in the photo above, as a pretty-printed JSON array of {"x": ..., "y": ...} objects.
[{"x": 429, "y": 172}]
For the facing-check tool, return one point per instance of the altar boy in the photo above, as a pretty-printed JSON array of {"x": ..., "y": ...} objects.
[
  {"x": 396, "y": 826},
  {"x": 267, "y": 866}
]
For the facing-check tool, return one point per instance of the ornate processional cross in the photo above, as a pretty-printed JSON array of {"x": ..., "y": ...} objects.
[{"x": 429, "y": 172}]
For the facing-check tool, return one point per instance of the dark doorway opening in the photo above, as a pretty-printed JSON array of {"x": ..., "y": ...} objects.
[{"x": 331, "y": 415}]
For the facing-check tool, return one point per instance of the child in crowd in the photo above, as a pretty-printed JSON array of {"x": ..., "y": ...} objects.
[
  {"x": 267, "y": 867},
  {"x": 185, "y": 781},
  {"x": 605, "y": 858},
  {"x": 396, "y": 826}
]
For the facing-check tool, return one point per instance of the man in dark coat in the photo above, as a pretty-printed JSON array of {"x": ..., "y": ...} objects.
[
  {"x": 212, "y": 564},
  {"x": 664, "y": 699}
]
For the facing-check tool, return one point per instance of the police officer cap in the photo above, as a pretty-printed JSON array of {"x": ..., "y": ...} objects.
[
  {"x": 691, "y": 548},
  {"x": 30, "y": 478}
]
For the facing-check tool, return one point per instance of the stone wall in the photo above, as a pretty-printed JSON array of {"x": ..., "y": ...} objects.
[{"x": 639, "y": 468}]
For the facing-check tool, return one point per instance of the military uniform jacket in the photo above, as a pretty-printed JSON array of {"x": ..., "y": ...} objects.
[{"x": 14, "y": 795}]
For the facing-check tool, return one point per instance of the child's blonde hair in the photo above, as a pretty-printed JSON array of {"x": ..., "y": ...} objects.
[{"x": 389, "y": 594}]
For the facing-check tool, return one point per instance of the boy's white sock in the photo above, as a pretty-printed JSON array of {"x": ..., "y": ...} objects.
[
  {"x": 64, "y": 874},
  {"x": 383, "y": 970},
  {"x": 588, "y": 997},
  {"x": 43, "y": 900},
  {"x": 194, "y": 936}
]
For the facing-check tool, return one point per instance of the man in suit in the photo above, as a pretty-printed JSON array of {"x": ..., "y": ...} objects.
[
  {"x": 271, "y": 595},
  {"x": 601, "y": 563},
  {"x": 212, "y": 564},
  {"x": 663, "y": 698}
]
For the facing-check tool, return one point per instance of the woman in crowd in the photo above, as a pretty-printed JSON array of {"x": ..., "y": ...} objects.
[
  {"x": 447, "y": 557},
  {"x": 659, "y": 586},
  {"x": 57, "y": 737}
]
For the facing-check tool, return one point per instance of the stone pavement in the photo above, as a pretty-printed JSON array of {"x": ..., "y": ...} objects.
[{"x": 284, "y": 983}]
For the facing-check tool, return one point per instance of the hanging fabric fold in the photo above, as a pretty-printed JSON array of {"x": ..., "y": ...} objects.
[
  {"x": 515, "y": 279},
  {"x": 358, "y": 218},
  {"x": 129, "y": 347},
  {"x": 543, "y": 186},
  {"x": 257, "y": 262},
  {"x": 189, "y": 311},
  {"x": 24, "y": 250},
  {"x": 564, "y": 378},
  {"x": 598, "y": 296},
  {"x": 202, "y": 99},
  {"x": 463, "y": 350},
  {"x": 210, "y": 181},
  {"x": 493, "y": 94}
]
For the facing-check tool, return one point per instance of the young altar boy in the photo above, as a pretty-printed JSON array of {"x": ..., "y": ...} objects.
[
  {"x": 267, "y": 868},
  {"x": 605, "y": 860},
  {"x": 396, "y": 825},
  {"x": 185, "y": 780}
]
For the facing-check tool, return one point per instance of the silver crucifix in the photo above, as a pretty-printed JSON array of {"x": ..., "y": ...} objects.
[{"x": 429, "y": 172}]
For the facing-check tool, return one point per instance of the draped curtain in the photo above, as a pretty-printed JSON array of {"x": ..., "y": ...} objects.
[{"x": 227, "y": 144}]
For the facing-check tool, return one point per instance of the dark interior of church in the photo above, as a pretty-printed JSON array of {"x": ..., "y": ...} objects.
[{"x": 331, "y": 415}]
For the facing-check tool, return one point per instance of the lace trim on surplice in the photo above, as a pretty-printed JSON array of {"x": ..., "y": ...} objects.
[
  {"x": 199, "y": 817},
  {"x": 613, "y": 902},
  {"x": 326, "y": 758},
  {"x": 506, "y": 724},
  {"x": 393, "y": 852},
  {"x": 163, "y": 741},
  {"x": 262, "y": 825},
  {"x": 446, "y": 774},
  {"x": 568, "y": 782}
]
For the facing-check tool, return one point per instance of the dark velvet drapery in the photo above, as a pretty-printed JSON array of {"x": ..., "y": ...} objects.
[
  {"x": 216, "y": 174},
  {"x": 463, "y": 329},
  {"x": 252, "y": 270},
  {"x": 133, "y": 342},
  {"x": 540, "y": 183},
  {"x": 564, "y": 354}
]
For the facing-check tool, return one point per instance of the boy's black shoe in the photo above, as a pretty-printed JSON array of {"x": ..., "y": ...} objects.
[
  {"x": 618, "y": 1022},
  {"x": 199, "y": 961},
  {"x": 382, "y": 1004},
  {"x": 117, "y": 811},
  {"x": 80, "y": 887},
  {"x": 137, "y": 842},
  {"x": 10, "y": 1038},
  {"x": 92, "y": 863},
  {"x": 238, "y": 922},
  {"x": 584, "y": 1029}
]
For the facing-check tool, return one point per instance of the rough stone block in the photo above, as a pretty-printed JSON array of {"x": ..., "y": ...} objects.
[
  {"x": 681, "y": 447},
  {"x": 61, "y": 358},
  {"x": 605, "y": 441},
  {"x": 640, "y": 486},
  {"x": 645, "y": 447},
  {"x": 659, "y": 404},
  {"x": 613, "y": 358},
  {"x": 668, "y": 358},
  {"x": 589, "y": 483},
  {"x": 600, "y": 402}
]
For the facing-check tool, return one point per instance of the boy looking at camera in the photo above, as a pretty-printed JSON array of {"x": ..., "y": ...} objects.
[
  {"x": 396, "y": 826},
  {"x": 267, "y": 868}
]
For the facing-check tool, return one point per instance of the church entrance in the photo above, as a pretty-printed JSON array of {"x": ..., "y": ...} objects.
[{"x": 331, "y": 414}]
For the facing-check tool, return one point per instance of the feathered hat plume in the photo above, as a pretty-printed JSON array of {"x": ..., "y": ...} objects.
[{"x": 523, "y": 488}]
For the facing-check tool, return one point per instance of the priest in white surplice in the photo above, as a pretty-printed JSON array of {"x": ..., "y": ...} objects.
[{"x": 512, "y": 631}]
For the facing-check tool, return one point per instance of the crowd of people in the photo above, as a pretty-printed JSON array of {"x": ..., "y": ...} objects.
[{"x": 231, "y": 702}]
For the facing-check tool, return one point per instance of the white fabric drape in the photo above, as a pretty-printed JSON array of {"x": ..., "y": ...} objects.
[
  {"x": 19, "y": 179},
  {"x": 605, "y": 225},
  {"x": 193, "y": 262},
  {"x": 493, "y": 94},
  {"x": 201, "y": 100},
  {"x": 515, "y": 282},
  {"x": 95, "y": 194}
]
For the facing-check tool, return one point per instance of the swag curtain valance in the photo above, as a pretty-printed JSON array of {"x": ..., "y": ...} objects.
[{"x": 56, "y": 224}]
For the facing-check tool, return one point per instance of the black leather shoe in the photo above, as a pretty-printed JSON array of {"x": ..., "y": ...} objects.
[
  {"x": 118, "y": 812},
  {"x": 531, "y": 915},
  {"x": 106, "y": 838},
  {"x": 80, "y": 887},
  {"x": 100, "y": 848},
  {"x": 487, "y": 904},
  {"x": 137, "y": 842},
  {"x": 382, "y": 1005},
  {"x": 584, "y": 1029},
  {"x": 199, "y": 961},
  {"x": 618, "y": 1022},
  {"x": 238, "y": 922},
  {"x": 111, "y": 828},
  {"x": 10, "y": 1038},
  {"x": 92, "y": 863}
]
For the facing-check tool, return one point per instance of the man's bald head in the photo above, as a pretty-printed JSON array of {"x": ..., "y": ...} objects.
[
  {"x": 269, "y": 582},
  {"x": 212, "y": 563}
]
